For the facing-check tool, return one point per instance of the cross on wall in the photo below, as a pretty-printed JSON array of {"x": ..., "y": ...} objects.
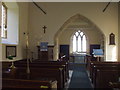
[{"x": 44, "y": 28}]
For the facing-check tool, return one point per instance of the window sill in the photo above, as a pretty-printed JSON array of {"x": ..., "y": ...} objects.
[{"x": 4, "y": 41}]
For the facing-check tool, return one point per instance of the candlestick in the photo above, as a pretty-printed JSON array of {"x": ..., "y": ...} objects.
[{"x": 27, "y": 53}]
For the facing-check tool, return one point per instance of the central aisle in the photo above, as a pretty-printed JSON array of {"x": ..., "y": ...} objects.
[{"x": 79, "y": 77}]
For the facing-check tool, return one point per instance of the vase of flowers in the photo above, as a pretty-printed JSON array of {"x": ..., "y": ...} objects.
[{"x": 11, "y": 58}]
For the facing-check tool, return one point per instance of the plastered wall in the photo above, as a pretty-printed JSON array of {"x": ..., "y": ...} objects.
[
  {"x": 59, "y": 13},
  {"x": 0, "y": 34},
  {"x": 93, "y": 37},
  {"x": 31, "y": 20},
  {"x": 23, "y": 28},
  {"x": 119, "y": 32}
]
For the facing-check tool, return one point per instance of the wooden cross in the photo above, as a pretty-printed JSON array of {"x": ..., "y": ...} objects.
[{"x": 44, "y": 28}]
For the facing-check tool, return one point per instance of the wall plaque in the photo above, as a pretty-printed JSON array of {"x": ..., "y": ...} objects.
[{"x": 112, "y": 39}]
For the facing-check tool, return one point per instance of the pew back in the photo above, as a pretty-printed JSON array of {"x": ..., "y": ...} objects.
[
  {"x": 105, "y": 76},
  {"x": 36, "y": 74},
  {"x": 28, "y": 84}
]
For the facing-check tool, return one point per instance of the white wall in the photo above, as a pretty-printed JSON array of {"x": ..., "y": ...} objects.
[
  {"x": 12, "y": 27},
  {"x": 0, "y": 49},
  {"x": 22, "y": 26},
  {"x": 59, "y": 13},
  {"x": 79, "y": 22},
  {"x": 93, "y": 37},
  {"x": 0, "y": 34},
  {"x": 12, "y": 23},
  {"x": 119, "y": 32}
]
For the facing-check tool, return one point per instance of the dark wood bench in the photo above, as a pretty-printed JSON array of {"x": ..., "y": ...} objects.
[
  {"x": 22, "y": 84},
  {"x": 89, "y": 59},
  {"x": 37, "y": 65},
  {"x": 46, "y": 64},
  {"x": 36, "y": 73},
  {"x": 94, "y": 73},
  {"x": 102, "y": 66},
  {"x": 103, "y": 77},
  {"x": 98, "y": 66},
  {"x": 53, "y": 64},
  {"x": 114, "y": 85},
  {"x": 92, "y": 64}
]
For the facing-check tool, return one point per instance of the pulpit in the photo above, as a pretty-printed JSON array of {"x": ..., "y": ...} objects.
[{"x": 45, "y": 55}]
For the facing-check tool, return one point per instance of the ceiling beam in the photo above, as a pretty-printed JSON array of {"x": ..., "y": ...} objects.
[
  {"x": 106, "y": 7},
  {"x": 39, "y": 7}
]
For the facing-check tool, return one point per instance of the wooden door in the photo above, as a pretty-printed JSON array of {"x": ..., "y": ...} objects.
[{"x": 64, "y": 49}]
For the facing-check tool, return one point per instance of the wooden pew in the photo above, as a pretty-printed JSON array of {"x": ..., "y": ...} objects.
[
  {"x": 89, "y": 59},
  {"x": 37, "y": 65},
  {"x": 22, "y": 84},
  {"x": 114, "y": 85},
  {"x": 103, "y": 65},
  {"x": 94, "y": 66},
  {"x": 94, "y": 63},
  {"x": 49, "y": 63},
  {"x": 94, "y": 73},
  {"x": 103, "y": 77},
  {"x": 6, "y": 64},
  {"x": 36, "y": 73},
  {"x": 56, "y": 63}
]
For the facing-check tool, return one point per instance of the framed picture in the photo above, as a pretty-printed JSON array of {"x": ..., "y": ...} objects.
[{"x": 10, "y": 51}]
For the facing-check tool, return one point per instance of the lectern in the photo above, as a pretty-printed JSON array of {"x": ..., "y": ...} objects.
[{"x": 98, "y": 53}]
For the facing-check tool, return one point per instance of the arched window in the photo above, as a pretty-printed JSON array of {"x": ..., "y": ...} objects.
[
  {"x": 4, "y": 21},
  {"x": 79, "y": 42},
  {"x": 9, "y": 23}
]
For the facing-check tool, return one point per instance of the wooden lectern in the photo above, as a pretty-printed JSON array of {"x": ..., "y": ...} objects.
[{"x": 98, "y": 53}]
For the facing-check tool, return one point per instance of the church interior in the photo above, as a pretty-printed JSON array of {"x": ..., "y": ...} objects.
[{"x": 59, "y": 45}]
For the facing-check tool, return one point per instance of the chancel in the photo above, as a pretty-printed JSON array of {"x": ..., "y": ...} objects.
[{"x": 74, "y": 45}]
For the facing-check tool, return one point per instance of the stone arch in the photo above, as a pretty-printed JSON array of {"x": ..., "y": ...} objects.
[{"x": 75, "y": 23}]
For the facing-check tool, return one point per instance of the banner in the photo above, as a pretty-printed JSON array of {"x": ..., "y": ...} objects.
[{"x": 44, "y": 46}]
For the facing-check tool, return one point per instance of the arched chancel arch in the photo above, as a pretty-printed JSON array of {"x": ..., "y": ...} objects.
[{"x": 83, "y": 23}]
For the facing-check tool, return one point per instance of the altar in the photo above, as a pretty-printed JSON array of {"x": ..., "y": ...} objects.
[{"x": 78, "y": 58}]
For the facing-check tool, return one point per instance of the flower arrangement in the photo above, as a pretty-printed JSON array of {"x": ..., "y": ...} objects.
[{"x": 10, "y": 57}]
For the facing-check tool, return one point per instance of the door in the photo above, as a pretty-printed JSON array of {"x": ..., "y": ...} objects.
[{"x": 64, "y": 50}]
